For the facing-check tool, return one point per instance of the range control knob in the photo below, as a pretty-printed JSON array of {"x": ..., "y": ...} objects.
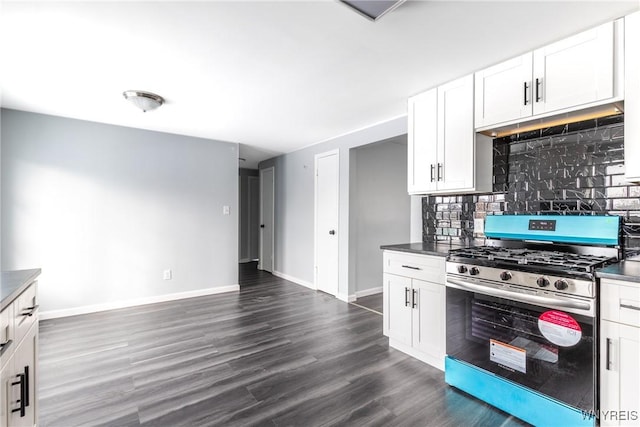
[
  {"x": 543, "y": 282},
  {"x": 474, "y": 271},
  {"x": 462, "y": 269},
  {"x": 561, "y": 284},
  {"x": 505, "y": 275}
]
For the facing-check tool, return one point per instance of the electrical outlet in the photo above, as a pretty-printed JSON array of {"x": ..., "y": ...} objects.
[
  {"x": 166, "y": 275},
  {"x": 226, "y": 210},
  {"x": 478, "y": 225}
]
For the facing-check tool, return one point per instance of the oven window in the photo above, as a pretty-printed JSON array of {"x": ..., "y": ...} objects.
[{"x": 549, "y": 351}]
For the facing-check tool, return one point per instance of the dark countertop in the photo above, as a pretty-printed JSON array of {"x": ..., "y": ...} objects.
[
  {"x": 628, "y": 271},
  {"x": 426, "y": 248},
  {"x": 13, "y": 283}
]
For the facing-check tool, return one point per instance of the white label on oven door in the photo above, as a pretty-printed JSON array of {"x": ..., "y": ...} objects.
[
  {"x": 559, "y": 328},
  {"x": 508, "y": 355}
]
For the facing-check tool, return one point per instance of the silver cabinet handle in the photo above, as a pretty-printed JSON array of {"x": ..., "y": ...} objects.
[
  {"x": 406, "y": 296},
  {"x": 414, "y": 302},
  {"x": 608, "y": 351},
  {"x": 630, "y": 307},
  {"x": 440, "y": 171},
  {"x": 433, "y": 172},
  {"x": 411, "y": 267},
  {"x": 526, "y": 89}
]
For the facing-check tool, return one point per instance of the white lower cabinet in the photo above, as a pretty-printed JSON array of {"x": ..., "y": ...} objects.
[
  {"x": 414, "y": 317},
  {"x": 18, "y": 398},
  {"x": 620, "y": 354}
]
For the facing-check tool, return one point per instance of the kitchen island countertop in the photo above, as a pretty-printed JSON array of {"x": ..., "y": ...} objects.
[
  {"x": 13, "y": 283},
  {"x": 426, "y": 248},
  {"x": 628, "y": 271}
]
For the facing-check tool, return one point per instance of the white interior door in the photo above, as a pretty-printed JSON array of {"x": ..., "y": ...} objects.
[
  {"x": 254, "y": 218},
  {"x": 326, "y": 230},
  {"x": 265, "y": 261}
]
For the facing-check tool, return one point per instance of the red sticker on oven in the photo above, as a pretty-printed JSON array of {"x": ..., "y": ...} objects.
[{"x": 559, "y": 328}]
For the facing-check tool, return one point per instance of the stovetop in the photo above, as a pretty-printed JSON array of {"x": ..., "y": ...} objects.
[{"x": 514, "y": 257}]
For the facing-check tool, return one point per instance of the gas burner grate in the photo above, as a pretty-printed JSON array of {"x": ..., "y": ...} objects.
[{"x": 554, "y": 259}]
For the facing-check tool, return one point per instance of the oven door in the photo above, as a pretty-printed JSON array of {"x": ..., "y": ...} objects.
[{"x": 545, "y": 349}]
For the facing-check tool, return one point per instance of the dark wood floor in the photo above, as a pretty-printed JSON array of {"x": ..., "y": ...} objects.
[
  {"x": 372, "y": 302},
  {"x": 274, "y": 354}
]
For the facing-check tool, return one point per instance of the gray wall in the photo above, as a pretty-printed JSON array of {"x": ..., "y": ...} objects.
[
  {"x": 294, "y": 203},
  {"x": 103, "y": 210},
  {"x": 249, "y": 216},
  {"x": 379, "y": 209}
]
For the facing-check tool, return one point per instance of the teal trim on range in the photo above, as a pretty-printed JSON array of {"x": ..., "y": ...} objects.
[
  {"x": 592, "y": 229},
  {"x": 521, "y": 402}
]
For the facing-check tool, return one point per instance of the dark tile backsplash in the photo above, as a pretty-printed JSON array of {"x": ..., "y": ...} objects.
[{"x": 576, "y": 168}]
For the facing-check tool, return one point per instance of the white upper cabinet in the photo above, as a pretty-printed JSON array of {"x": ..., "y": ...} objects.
[
  {"x": 497, "y": 97},
  {"x": 632, "y": 96},
  {"x": 444, "y": 150},
  {"x": 574, "y": 73},
  {"x": 422, "y": 142},
  {"x": 456, "y": 151}
]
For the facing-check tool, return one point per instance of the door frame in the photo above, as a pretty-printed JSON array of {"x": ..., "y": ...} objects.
[
  {"x": 273, "y": 219},
  {"x": 317, "y": 157}
]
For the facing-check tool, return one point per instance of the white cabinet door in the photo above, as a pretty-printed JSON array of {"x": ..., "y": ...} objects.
[
  {"x": 24, "y": 363},
  {"x": 6, "y": 394},
  {"x": 428, "y": 319},
  {"x": 574, "y": 71},
  {"x": 456, "y": 151},
  {"x": 503, "y": 92},
  {"x": 443, "y": 148},
  {"x": 632, "y": 96},
  {"x": 397, "y": 308},
  {"x": 422, "y": 134},
  {"x": 619, "y": 374}
]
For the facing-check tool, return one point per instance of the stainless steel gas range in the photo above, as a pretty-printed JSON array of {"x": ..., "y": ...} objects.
[{"x": 522, "y": 315}]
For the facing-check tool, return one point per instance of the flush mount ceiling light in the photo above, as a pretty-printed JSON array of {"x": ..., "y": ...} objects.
[
  {"x": 146, "y": 101},
  {"x": 372, "y": 9}
]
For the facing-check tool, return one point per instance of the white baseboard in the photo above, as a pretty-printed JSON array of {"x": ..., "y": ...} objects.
[
  {"x": 346, "y": 298},
  {"x": 294, "y": 280},
  {"x": 367, "y": 292},
  {"x": 86, "y": 309}
]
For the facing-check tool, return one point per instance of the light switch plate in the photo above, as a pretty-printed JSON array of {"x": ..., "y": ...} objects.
[{"x": 226, "y": 210}]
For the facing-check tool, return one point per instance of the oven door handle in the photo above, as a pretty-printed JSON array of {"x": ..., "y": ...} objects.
[{"x": 534, "y": 299}]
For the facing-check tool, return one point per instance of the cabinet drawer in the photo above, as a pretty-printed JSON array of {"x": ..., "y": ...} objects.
[
  {"x": 6, "y": 335},
  {"x": 25, "y": 312},
  {"x": 422, "y": 267},
  {"x": 620, "y": 302}
]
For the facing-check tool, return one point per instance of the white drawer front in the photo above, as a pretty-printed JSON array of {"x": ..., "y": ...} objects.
[
  {"x": 620, "y": 302},
  {"x": 25, "y": 312},
  {"x": 422, "y": 267},
  {"x": 6, "y": 335}
]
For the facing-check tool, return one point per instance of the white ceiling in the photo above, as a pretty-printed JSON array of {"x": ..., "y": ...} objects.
[{"x": 273, "y": 76}]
